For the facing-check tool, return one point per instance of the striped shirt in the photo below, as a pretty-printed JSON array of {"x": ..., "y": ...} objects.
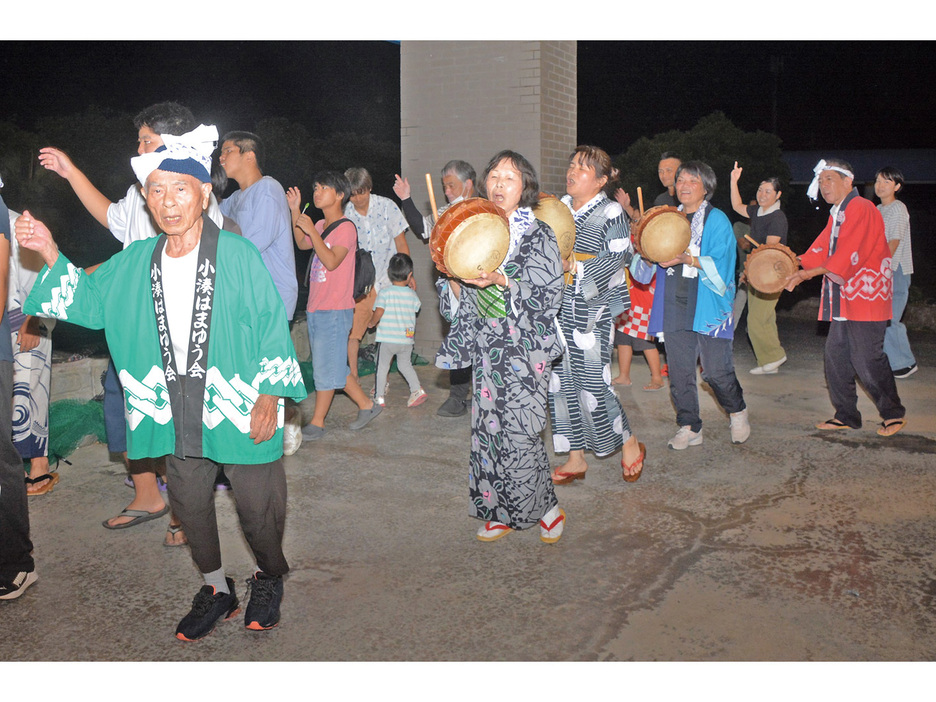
[
  {"x": 897, "y": 226},
  {"x": 398, "y": 323}
]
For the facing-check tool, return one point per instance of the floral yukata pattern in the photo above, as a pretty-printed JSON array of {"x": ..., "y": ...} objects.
[{"x": 509, "y": 470}]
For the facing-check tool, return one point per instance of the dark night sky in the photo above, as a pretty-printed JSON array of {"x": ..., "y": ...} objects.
[
  {"x": 828, "y": 94},
  {"x": 230, "y": 84}
]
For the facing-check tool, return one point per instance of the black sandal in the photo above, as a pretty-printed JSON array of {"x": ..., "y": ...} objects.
[{"x": 832, "y": 424}]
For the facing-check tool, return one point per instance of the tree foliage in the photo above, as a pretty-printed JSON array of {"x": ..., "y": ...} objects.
[{"x": 713, "y": 140}]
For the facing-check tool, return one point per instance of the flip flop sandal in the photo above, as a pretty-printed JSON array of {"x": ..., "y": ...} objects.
[
  {"x": 638, "y": 464},
  {"x": 53, "y": 479},
  {"x": 653, "y": 388},
  {"x": 886, "y": 427},
  {"x": 139, "y": 516},
  {"x": 546, "y": 530},
  {"x": 831, "y": 425},
  {"x": 171, "y": 532},
  {"x": 492, "y": 531},
  {"x": 563, "y": 478}
]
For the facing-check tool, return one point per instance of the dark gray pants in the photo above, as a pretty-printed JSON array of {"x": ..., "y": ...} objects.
[
  {"x": 856, "y": 349},
  {"x": 15, "y": 546},
  {"x": 260, "y": 494},
  {"x": 684, "y": 351}
]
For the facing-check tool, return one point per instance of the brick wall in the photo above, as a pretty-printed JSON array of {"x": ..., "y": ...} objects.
[{"x": 468, "y": 100}]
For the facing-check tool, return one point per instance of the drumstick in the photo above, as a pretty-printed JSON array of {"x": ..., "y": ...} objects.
[
  {"x": 640, "y": 199},
  {"x": 431, "y": 197},
  {"x": 748, "y": 237}
]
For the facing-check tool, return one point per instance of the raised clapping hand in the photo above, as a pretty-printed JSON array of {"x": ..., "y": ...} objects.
[
  {"x": 293, "y": 197},
  {"x": 401, "y": 187},
  {"x": 34, "y": 235},
  {"x": 736, "y": 172},
  {"x": 624, "y": 201},
  {"x": 55, "y": 160}
]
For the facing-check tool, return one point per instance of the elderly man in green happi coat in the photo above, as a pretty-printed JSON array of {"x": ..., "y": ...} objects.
[{"x": 194, "y": 325}]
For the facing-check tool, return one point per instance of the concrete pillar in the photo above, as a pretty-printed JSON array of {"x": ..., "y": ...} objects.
[{"x": 468, "y": 100}]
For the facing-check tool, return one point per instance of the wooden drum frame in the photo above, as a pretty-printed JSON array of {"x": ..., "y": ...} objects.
[
  {"x": 471, "y": 236},
  {"x": 768, "y": 266},
  {"x": 558, "y": 216},
  {"x": 662, "y": 234}
]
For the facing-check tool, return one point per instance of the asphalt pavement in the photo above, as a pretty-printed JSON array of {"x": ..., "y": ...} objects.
[{"x": 798, "y": 545}]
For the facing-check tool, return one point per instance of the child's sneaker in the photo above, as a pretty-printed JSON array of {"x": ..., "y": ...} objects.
[
  {"x": 380, "y": 401},
  {"x": 417, "y": 398}
]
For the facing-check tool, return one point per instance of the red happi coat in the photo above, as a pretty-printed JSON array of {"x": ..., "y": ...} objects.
[
  {"x": 858, "y": 284},
  {"x": 636, "y": 320}
]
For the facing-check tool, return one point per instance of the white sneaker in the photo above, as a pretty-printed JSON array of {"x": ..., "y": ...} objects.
[
  {"x": 685, "y": 438},
  {"x": 17, "y": 586},
  {"x": 380, "y": 401},
  {"x": 292, "y": 438},
  {"x": 740, "y": 427},
  {"x": 417, "y": 398},
  {"x": 768, "y": 368}
]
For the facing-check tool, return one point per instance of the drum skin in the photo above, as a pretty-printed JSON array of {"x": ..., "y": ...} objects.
[
  {"x": 768, "y": 266},
  {"x": 471, "y": 236},
  {"x": 661, "y": 234},
  {"x": 559, "y": 217}
]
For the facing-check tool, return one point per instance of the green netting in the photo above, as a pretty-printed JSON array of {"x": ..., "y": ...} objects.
[
  {"x": 367, "y": 365},
  {"x": 70, "y": 421}
]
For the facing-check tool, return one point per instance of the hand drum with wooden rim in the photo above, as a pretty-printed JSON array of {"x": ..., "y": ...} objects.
[
  {"x": 471, "y": 236},
  {"x": 661, "y": 234},
  {"x": 768, "y": 266},
  {"x": 559, "y": 217}
]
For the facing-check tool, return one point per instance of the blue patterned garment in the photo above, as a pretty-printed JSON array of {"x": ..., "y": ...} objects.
[{"x": 508, "y": 479}]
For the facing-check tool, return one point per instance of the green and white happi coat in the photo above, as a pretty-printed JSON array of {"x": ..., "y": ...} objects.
[{"x": 249, "y": 350}]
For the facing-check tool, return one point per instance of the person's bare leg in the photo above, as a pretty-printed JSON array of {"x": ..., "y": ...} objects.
[
  {"x": 354, "y": 346},
  {"x": 323, "y": 400},
  {"x": 656, "y": 369},
  {"x": 146, "y": 490},
  {"x": 574, "y": 465},
  {"x": 353, "y": 390},
  {"x": 625, "y": 354}
]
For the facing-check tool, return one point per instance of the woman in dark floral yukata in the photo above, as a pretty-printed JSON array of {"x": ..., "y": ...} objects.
[{"x": 505, "y": 328}]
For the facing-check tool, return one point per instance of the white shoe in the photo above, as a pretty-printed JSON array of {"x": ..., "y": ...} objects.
[
  {"x": 551, "y": 525},
  {"x": 768, "y": 368},
  {"x": 380, "y": 401},
  {"x": 17, "y": 586},
  {"x": 685, "y": 438},
  {"x": 417, "y": 398},
  {"x": 740, "y": 427},
  {"x": 292, "y": 438}
]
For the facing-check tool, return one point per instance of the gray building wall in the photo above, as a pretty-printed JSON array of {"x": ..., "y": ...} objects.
[{"x": 469, "y": 100}]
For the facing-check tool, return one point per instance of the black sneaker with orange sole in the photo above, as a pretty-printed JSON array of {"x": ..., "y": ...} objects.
[
  {"x": 266, "y": 594},
  {"x": 208, "y": 607}
]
